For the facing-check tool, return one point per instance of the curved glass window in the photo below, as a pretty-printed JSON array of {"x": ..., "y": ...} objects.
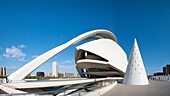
[{"x": 96, "y": 70}]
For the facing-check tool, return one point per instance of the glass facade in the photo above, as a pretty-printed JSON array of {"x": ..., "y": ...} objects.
[{"x": 96, "y": 70}]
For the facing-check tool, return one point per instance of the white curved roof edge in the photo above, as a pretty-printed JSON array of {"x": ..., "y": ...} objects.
[
  {"x": 94, "y": 34},
  {"x": 91, "y": 61},
  {"x": 34, "y": 64},
  {"x": 118, "y": 60}
]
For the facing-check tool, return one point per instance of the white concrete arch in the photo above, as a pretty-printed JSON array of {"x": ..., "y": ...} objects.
[{"x": 32, "y": 65}]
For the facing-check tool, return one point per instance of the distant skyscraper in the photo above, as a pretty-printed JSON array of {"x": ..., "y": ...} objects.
[
  {"x": 2, "y": 71},
  {"x": 166, "y": 69},
  {"x": 55, "y": 69}
]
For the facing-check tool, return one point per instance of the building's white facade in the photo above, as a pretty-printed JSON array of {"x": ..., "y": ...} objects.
[
  {"x": 101, "y": 58},
  {"x": 54, "y": 69}
]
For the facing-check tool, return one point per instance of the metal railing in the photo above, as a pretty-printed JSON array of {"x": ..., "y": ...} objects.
[{"x": 68, "y": 91}]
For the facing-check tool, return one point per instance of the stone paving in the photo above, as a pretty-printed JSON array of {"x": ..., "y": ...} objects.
[{"x": 155, "y": 88}]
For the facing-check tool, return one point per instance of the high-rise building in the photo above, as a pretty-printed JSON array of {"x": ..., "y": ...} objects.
[
  {"x": 40, "y": 74},
  {"x": 55, "y": 69},
  {"x": 2, "y": 71},
  {"x": 61, "y": 75},
  {"x": 68, "y": 75},
  {"x": 49, "y": 74},
  {"x": 166, "y": 69}
]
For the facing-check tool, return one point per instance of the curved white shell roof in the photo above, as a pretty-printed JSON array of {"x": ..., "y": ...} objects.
[{"x": 109, "y": 50}]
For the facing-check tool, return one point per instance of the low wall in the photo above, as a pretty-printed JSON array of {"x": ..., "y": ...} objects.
[
  {"x": 101, "y": 91},
  {"x": 164, "y": 78}
]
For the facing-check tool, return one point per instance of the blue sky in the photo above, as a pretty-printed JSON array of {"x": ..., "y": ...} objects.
[{"x": 29, "y": 28}]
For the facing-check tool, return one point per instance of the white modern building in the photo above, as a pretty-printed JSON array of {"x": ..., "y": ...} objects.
[
  {"x": 55, "y": 69},
  {"x": 100, "y": 57}
]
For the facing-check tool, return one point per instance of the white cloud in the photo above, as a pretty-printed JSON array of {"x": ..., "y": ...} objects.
[
  {"x": 12, "y": 68},
  {"x": 68, "y": 61},
  {"x": 65, "y": 67},
  {"x": 15, "y": 53},
  {"x": 68, "y": 68},
  {"x": 21, "y": 46},
  {"x": 35, "y": 56}
]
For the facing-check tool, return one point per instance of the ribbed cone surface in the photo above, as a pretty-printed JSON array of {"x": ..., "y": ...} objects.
[{"x": 135, "y": 72}]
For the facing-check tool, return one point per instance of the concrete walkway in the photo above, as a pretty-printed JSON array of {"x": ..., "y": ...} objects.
[
  {"x": 51, "y": 83},
  {"x": 155, "y": 88}
]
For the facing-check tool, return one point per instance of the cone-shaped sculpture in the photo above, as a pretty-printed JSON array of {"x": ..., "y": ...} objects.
[{"x": 135, "y": 72}]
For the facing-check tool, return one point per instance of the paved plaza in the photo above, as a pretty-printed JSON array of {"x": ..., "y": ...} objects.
[{"x": 155, "y": 88}]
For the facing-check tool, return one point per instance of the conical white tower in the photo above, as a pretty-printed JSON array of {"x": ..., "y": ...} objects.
[{"x": 135, "y": 72}]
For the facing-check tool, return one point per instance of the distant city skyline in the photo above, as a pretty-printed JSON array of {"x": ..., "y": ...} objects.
[{"x": 29, "y": 28}]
